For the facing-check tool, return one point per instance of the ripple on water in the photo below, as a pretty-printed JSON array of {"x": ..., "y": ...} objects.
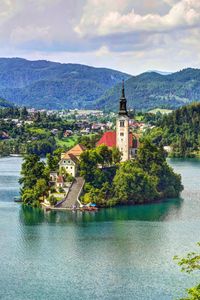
[{"x": 119, "y": 253}]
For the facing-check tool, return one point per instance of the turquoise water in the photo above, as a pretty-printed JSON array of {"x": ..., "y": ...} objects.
[{"x": 119, "y": 253}]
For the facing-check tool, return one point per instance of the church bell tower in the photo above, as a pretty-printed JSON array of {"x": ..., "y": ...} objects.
[{"x": 122, "y": 128}]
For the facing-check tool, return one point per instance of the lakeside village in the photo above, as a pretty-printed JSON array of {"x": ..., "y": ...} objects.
[{"x": 121, "y": 168}]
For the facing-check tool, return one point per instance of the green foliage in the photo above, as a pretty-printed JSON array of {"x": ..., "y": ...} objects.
[
  {"x": 181, "y": 130},
  {"x": 144, "y": 179},
  {"x": 53, "y": 159},
  {"x": 152, "y": 90},
  {"x": 133, "y": 185},
  {"x": 34, "y": 180},
  {"x": 89, "y": 141},
  {"x": 41, "y": 188},
  {"x": 116, "y": 155},
  {"x": 152, "y": 160},
  {"x": 4, "y": 103},
  {"x": 51, "y": 85},
  {"x": 35, "y": 138},
  {"x": 61, "y": 190},
  {"x": 52, "y": 200},
  {"x": 89, "y": 162},
  {"x": 189, "y": 264}
]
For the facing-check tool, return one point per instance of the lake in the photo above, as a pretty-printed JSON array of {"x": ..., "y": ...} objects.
[{"x": 118, "y": 253}]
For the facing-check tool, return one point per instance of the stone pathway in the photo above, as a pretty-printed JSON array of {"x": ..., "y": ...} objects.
[{"x": 72, "y": 196}]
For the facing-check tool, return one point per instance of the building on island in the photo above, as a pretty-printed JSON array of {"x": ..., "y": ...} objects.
[
  {"x": 126, "y": 141},
  {"x": 69, "y": 160}
]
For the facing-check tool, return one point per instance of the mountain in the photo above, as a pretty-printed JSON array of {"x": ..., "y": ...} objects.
[
  {"x": 4, "y": 103},
  {"x": 50, "y": 85},
  {"x": 160, "y": 72},
  {"x": 152, "y": 90}
]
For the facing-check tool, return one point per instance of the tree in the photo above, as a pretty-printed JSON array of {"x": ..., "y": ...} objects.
[
  {"x": 32, "y": 169},
  {"x": 41, "y": 188},
  {"x": 132, "y": 184},
  {"x": 152, "y": 160},
  {"x": 104, "y": 155},
  {"x": 189, "y": 264},
  {"x": 116, "y": 155},
  {"x": 34, "y": 180}
]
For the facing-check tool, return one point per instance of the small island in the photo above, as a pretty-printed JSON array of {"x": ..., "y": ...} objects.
[{"x": 122, "y": 168}]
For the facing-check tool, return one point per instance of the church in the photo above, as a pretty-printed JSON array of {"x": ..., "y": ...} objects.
[{"x": 126, "y": 141}]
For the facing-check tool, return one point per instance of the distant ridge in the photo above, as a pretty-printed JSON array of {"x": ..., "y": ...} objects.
[
  {"x": 152, "y": 90},
  {"x": 50, "y": 85},
  {"x": 159, "y": 72},
  {"x": 4, "y": 103}
]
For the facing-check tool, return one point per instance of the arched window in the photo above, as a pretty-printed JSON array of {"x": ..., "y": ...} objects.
[{"x": 121, "y": 123}]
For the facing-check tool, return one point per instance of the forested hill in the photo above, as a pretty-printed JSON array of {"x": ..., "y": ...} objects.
[
  {"x": 4, "y": 103},
  {"x": 50, "y": 85},
  {"x": 181, "y": 130},
  {"x": 152, "y": 90}
]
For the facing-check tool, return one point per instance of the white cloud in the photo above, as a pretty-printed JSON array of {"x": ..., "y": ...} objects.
[
  {"x": 183, "y": 13},
  {"x": 129, "y": 35},
  {"x": 21, "y": 35},
  {"x": 102, "y": 51}
]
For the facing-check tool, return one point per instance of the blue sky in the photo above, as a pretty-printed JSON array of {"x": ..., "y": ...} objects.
[{"x": 128, "y": 35}]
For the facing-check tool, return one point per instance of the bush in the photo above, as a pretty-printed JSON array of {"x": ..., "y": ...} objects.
[
  {"x": 61, "y": 190},
  {"x": 52, "y": 200}
]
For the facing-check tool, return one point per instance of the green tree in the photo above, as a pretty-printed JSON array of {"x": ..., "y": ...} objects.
[
  {"x": 116, "y": 155},
  {"x": 41, "y": 188},
  {"x": 32, "y": 169},
  {"x": 189, "y": 264},
  {"x": 132, "y": 184}
]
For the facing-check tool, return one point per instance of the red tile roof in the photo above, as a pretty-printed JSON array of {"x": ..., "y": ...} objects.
[
  {"x": 109, "y": 139},
  {"x": 77, "y": 150}
]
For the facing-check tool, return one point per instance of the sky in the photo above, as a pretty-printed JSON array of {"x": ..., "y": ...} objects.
[{"x": 132, "y": 36}]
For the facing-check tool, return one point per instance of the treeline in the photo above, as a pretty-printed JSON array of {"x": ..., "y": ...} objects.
[
  {"x": 151, "y": 90},
  {"x": 179, "y": 129}
]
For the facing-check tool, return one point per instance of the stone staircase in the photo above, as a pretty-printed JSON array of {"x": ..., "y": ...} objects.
[{"x": 73, "y": 194}]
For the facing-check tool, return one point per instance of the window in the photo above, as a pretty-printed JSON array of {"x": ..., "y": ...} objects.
[
  {"x": 64, "y": 161},
  {"x": 121, "y": 123},
  {"x": 121, "y": 134},
  {"x": 68, "y": 161}
]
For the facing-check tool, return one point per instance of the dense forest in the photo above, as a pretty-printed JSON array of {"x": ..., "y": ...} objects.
[
  {"x": 152, "y": 90},
  {"x": 180, "y": 130},
  {"x": 144, "y": 179},
  {"x": 49, "y": 85}
]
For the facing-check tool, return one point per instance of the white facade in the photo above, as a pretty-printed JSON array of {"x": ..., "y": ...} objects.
[
  {"x": 69, "y": 165},
  {"x": 122, "y": 136}
]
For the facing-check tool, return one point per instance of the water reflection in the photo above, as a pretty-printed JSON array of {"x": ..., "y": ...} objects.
[{"x": 164, "y": 211}]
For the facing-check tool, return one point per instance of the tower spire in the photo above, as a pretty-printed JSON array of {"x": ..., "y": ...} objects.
[
  {"x": 123, "y": 91},
  {"x": 122, "y": 103}
]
